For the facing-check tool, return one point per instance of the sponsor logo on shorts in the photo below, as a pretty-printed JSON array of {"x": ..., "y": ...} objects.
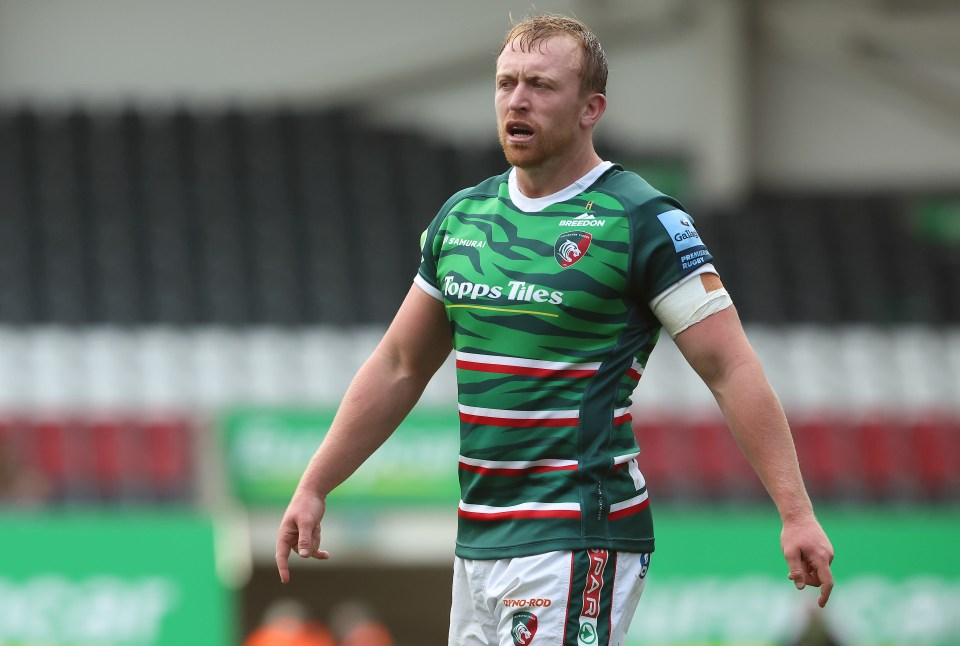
[
  {"x": 571, "y": 246},
  {"x": 587, "y": 634},
  {"x": 524, "y": 628},
  {"x": 527, "y": 603},
  {"x": 591, "y": 591},
  {"x": 644, "y": 564}
]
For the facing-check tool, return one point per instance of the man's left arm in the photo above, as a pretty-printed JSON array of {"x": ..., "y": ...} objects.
[{"x": 719, "y": 352}]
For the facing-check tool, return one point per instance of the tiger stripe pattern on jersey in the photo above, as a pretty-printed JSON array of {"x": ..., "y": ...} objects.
[{"x": 549, "y": 317}]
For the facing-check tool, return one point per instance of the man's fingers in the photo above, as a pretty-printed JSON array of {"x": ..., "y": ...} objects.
[
  {"x": 283, "y": 569},
  {"x": 283, "y": 554},
  {"x": 818, "y": 576},
  {"x": 824, "y": 578},
  {"x": 796, "y": 570},
  {"x": 825, "y": 591},
  {"x": 309, "y": 543},
  {"x": 809, "y": 554},
  {"x": 307, "y": 547},
  {"x": 798, "y": 578}
]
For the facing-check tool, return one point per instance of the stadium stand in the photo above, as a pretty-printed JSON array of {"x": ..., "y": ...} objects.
[{"x": 199, "y": 247}]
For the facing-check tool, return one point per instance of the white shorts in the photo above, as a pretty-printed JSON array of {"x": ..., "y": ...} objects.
[{"x": 569, "y": 598}]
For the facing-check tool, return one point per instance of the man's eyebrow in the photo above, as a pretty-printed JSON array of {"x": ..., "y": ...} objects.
[{"x": 532, "y": 78}]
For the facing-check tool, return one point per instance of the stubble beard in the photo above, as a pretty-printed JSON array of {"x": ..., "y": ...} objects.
[{"x": 536, "y": 153}]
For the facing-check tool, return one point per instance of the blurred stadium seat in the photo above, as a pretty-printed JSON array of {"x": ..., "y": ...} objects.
[{"x": 198, "y": 227}]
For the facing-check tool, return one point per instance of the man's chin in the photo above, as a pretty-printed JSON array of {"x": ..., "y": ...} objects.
[{"x": 522, "y": 156}]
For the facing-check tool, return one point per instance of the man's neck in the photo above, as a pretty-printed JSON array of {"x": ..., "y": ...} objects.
[{"x": 556, "y": 175}]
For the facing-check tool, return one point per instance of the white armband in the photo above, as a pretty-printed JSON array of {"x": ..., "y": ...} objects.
[{"x": 689, "y": 301}]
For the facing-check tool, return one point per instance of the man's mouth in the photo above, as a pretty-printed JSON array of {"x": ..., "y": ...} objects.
[{"x": 519, "y": 132}]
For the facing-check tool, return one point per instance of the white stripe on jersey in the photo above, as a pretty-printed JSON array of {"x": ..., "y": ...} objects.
[
  {"x": 529, "y": 414},
  {"x": 524, "y": 506},
  {"x": 629, "y": 502},
  {"x": 519, "y": 414},
  {"x": 517, "y": 464}
]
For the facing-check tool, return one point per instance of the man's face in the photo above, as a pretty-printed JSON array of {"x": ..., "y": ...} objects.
[{"x": 538, "y": 101}]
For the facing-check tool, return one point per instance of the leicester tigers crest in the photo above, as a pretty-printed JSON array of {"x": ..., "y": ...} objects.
[
  {"x": 571, "y": 246},
  {"x": 524, "y": 628}
]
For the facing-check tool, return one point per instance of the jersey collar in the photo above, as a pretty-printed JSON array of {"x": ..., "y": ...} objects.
[{"x": 536, "y": 204}]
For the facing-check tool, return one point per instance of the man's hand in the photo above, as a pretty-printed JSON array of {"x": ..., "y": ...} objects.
[
  {"x": 300, "y": 531},
  {"x": 809, "y": 554}
]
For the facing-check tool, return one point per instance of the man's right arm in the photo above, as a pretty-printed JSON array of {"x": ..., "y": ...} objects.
[{"x": 381, "y": 395}]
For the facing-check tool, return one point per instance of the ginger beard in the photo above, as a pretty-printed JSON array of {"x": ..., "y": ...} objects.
[
  {"x": 543, "y": 147},
  {"x": 546, "y": 143}
]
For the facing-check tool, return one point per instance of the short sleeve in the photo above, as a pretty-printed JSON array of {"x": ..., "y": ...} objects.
[
  {"x": 426, "y": 278},
  {"x": 431, "y": 241},
  {"x": 666, "y": 247}
]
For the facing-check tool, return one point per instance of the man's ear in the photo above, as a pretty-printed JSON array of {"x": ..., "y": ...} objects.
[{"x": 593, "y": 110}]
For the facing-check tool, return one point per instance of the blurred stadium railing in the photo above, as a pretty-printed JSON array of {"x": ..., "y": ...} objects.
[
  {"x": 185, "y": 296},
  {"x": 173, "y": 264}
]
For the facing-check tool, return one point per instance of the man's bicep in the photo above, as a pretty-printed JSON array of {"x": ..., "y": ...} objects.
[
  {"x": 418, "y": 339},
  {"x": 715, "y": 344}
]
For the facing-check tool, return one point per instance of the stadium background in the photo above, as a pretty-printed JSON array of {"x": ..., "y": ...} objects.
[{"x": 209, "y": 212}]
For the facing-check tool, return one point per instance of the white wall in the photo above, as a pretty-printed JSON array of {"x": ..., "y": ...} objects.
[
  {"x": 832, "y": 114},
  {"x": 806, "y": 110}
]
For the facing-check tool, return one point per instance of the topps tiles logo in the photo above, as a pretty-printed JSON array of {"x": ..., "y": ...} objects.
[{"x": 515, "y": 290}]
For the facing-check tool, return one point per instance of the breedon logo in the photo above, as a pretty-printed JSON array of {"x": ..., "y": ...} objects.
[
  {"x": 585, "y": 220},
  {"x": 571, "y": 246}
]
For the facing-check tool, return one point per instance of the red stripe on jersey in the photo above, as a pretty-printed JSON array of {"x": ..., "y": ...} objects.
[
  {"x": 571, "y": 373},
  {"x": 629, "y": 511},
  {"x": 519, "y": 423},
  {"x": 497, "y": 471}
]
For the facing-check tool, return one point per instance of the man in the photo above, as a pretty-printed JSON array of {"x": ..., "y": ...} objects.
[{"x": 552, "y": 282}]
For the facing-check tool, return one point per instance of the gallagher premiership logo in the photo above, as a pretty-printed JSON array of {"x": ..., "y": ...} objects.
[
  {"x": 524, "y": 628},
  {"x": 571, "y": 246}
]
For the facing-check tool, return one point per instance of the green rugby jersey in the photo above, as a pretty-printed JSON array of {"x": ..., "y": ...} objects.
[{"x": 548, "y": 307}]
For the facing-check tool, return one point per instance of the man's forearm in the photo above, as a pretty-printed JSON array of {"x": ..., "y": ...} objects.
[
  {"x": 376, "y": 402},
  {"x": 758, "y": 424}
]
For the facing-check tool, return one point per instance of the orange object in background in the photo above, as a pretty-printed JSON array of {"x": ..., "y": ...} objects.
[
  {"x": 285, "y": 623},
  {"x": 356, "y": 623},
  {"x": 368, "y": 634}
]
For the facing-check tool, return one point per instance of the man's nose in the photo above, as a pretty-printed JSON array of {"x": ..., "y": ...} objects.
[{"x": 520, "y": 98}]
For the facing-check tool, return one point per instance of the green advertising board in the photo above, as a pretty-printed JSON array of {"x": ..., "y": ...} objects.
[
  {"x": 719, "y": 578},
  {"x": 72, "y": 579},
  {"x": 267, "y": 450}
]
